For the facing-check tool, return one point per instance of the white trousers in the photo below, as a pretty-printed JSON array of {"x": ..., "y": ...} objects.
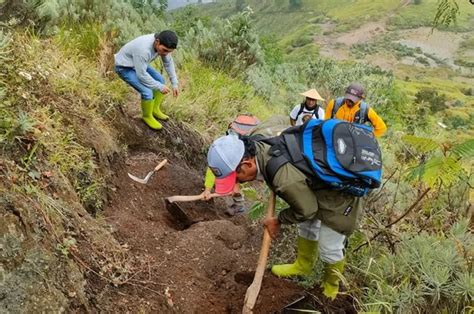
[{"x": 331, "y": 243}]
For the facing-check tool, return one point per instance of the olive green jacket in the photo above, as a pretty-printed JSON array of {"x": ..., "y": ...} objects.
[{"x": 338, "y": 210}]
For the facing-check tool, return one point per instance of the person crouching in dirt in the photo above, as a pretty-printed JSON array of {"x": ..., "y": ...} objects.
[
  {"x": 308, "y": 109},
  {"x": 242, "y": 125},
  {"x": 353, "y": 108},
  {"x": 325, "y": 217},
  {"x": 132, "y": 64}
]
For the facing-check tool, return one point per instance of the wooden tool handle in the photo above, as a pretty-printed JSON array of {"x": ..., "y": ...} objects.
[
  {"x": 254, "y": 289},
  {"x": 160, "y": 165},
  {"x": 190, "y": 198}
]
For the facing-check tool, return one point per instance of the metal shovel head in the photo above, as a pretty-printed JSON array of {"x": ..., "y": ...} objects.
[
  {"x": 142, "y": 181},
  {"x": 179, "y": 214}
]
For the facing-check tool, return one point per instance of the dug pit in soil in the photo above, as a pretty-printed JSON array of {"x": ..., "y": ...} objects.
[{"x": 203, "y": 267}]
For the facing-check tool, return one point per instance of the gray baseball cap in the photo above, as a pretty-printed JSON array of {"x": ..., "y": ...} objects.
[
  {"x": 223, "y": 158},
  {"x": 355, "y": 92}
]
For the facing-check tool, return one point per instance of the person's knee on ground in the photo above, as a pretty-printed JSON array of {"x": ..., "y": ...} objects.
[
  {"x": 158, "y": 100},
  {"x": 305, "y": 258}
]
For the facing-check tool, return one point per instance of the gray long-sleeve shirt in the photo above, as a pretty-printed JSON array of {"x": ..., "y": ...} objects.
[{"x": 138, "y": 54}]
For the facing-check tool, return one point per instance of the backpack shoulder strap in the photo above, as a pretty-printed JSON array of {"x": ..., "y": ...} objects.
[
  {"x": 300, "y": 111},
  {"x": 337, "y": 105},
  {"x": 316, "y": 112},
  {"x": 278, "y": 159},
  {"x": 363, "y": 113}
]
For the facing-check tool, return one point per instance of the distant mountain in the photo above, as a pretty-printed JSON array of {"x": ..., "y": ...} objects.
[{"x": 174, "y": 4}]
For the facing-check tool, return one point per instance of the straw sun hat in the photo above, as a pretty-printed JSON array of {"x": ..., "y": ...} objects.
[{"x": 313, "y": 94}]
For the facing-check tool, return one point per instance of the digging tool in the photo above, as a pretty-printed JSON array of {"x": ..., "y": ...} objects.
[
  {"x": 191, "y": 198},
  {"x": 149, "y": 174},
  {"x": 178, "y": 212},
  {"x": 254, "y": 289}
]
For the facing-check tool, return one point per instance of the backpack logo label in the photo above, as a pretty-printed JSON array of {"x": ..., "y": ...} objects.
[
  {"x": 341, "y": 146},
  {"x": 370, "y": 157},
  {"x": 347, "y": 211},
  {"x": 216, "y": 171}
]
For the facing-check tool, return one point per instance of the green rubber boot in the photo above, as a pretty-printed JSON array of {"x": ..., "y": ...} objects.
[
  {"x": 147, "y": 115},
  {"x": 306, "y": 255},
  {"x": 158, "y": 100},
  {"x": 331, "y": 277}
]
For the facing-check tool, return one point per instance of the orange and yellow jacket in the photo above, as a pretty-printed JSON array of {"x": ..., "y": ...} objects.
[{"x": 348, "y": 114}]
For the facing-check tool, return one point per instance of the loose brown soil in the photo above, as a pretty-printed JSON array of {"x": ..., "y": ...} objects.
[{"x": 205, "y": 268}]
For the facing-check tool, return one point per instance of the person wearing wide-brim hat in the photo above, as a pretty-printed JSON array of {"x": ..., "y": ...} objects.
[{"x": 308, "y": 109}]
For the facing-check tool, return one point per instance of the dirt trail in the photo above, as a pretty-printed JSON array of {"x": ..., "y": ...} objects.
[
  {"x": 192, "y": 270},
  {"x": 337, "y": 45},
  {"x": 205, "y": 268}
]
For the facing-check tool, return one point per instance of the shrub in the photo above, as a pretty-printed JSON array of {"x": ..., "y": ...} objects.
[
  {"x": 128, "y": 18},
  {"x": 431, "y": 97},
  {"x": 231, "y": 45},
  {"x": 273, "y": 53},
  {"x": 295, "y": 4},
  {"x": 468, "y": 91},
  {"x": 457, "y": 122},
  {"x": 422, "y": 60},
  {"x": 417, "y": 276},
  {"x": 302, "y": 41}
]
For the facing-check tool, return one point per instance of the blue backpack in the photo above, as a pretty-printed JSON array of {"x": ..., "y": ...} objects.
[{"x": 332, "y": 153}]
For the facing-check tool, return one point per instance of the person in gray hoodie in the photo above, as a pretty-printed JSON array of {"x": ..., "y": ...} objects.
[{"x": 132, "y": 64}]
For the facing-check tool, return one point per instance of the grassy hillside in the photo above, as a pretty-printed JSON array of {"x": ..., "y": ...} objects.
[
  {"x": 80, "y": 236},
  {"x": 278, "y": 17},
  {"x": 392, "y": 34},
  {"x": 413, "y": 16},
  {"x": 63, "y": 126}
]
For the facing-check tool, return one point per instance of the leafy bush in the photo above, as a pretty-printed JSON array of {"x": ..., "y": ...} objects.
[
  {"x": 431, "y": 97},
  {"x": 422, "y": 60},
  {"x": 418, "y": 277},
  {"x": 333, "y": 78},
  {"x": 461, "y": 61},
  {"x": 186, "y": 18},
  {"x": 457, "y": 122},
  {"x": 295, "y": 4},
  {"x": 127, "y": 18},
  {"x": 272, "y": 52},
  {"x": 214, "y": 96},
  {"x": 302, "y": 41},
  {"x": 468, "y": 91},
  {"x": 231, "y": 45}
]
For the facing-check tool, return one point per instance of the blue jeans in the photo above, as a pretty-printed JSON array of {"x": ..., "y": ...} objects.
[{"x": 130, "y": 77}]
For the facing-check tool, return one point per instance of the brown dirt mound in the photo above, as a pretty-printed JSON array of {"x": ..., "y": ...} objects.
[{"x": 205, "y": 268}]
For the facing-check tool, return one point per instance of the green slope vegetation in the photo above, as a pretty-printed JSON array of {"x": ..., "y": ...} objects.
[
  {"x": 65, "y": 121},
  {"x": 413, "y": 16},
  {"x": 390, "y": 36}
]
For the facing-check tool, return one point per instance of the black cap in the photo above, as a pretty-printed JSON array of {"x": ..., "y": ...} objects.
[
  {"x": 355, "y": 92},
  {"x": 167, "y": 38}
]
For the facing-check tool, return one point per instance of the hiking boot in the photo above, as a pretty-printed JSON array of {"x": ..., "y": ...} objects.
[
  {"x": 331, "y": 278},
  {"x": 147, "y": 116},
  {"x": 158, "y": 101},
  {"x": 303, "y": 265},
  {"x": 235, "y": 209}
]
